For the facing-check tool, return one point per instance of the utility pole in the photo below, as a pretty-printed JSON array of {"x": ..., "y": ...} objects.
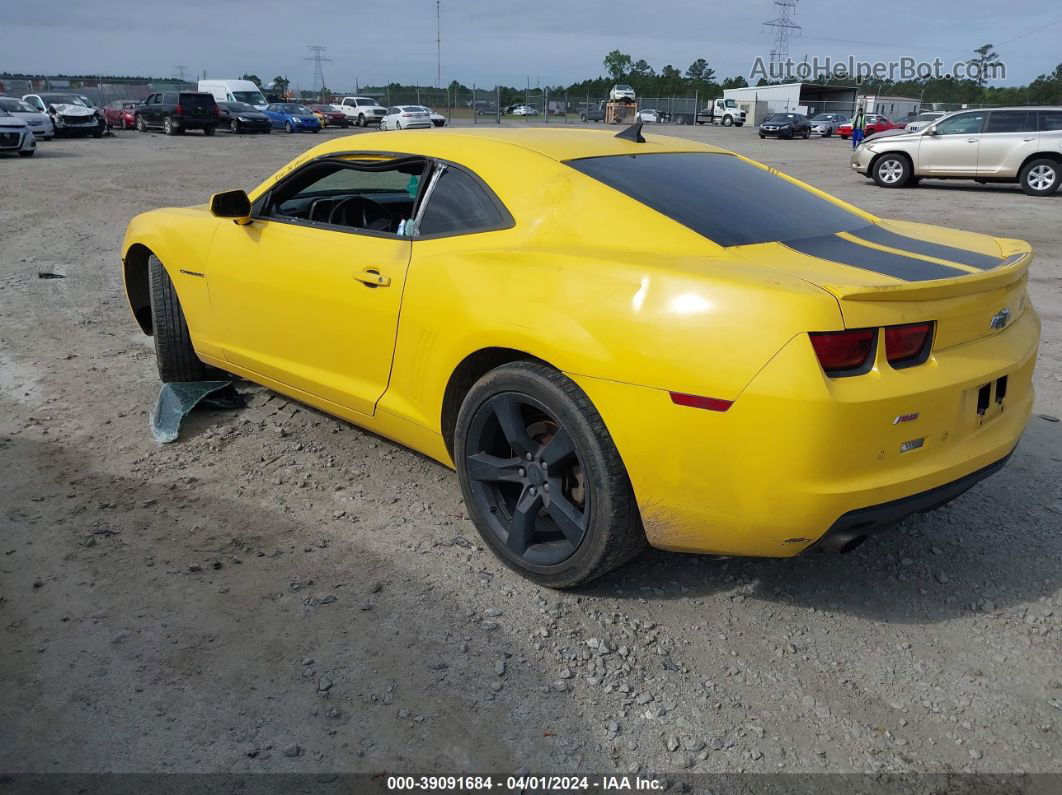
[
  {"x": 438, "y": 47},
  {"x": 317, "y": 56}
]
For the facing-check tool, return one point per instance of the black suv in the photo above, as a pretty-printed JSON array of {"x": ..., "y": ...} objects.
[{"x": 176, "y": 112}]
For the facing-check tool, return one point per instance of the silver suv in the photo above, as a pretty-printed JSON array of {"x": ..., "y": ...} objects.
[{"x": 1022, "y": 145}]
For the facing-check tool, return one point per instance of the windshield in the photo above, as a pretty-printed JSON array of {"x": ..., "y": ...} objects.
[
  {"x": 15, "y": 105},
  {"x": 821, "y": 117},
  {"x": 730, "y": 103},
  {"x": 239, "y": 107},
  {"x": 622, "y": 87},
  {"x": 364, "y": 102},
  {"x": 61, "y": 99},
  {"x": 250, "y": 97},
  {"x": 782, "y": 117},
  {"x": 927, "y": 116},
  {"x": 756, "y": 207}
]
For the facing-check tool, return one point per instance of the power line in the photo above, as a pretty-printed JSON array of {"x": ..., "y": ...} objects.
[
  {"x": 783, "y": 26},
  {"x": 317, "y": 56}
]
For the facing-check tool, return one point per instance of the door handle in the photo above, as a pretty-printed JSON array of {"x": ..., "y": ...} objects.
[
  {"x": 1029, "y": 139},
  {"x": 972, "y": 140},
  {"x": 371, "y": 277}
]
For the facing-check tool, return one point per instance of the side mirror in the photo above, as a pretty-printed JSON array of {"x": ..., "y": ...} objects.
[{"x": 232, "y": 204}]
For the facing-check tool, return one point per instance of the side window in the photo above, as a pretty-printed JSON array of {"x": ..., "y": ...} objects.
[
  {"x": 338, "y": 194},
  {"x": 963, "y": 124},
  {"x": 1009, "y": 121},
  {"x": 1050, "y": 120},
  {"x": 460, "y": 204}
]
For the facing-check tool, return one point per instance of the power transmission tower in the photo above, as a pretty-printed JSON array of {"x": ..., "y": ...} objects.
[
  {"x": 181, "y": 70},
  {"x": 317, "y": 56},
  {"x": 783, "y": 26}
]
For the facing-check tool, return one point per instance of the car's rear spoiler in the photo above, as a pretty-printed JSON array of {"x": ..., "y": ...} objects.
[{"x": 1011, "y": 270}]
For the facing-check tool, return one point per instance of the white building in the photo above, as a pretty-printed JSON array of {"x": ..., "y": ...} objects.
[{"x": 808, "y": 98}]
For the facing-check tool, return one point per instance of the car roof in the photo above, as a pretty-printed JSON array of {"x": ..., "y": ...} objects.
[{"x": 554, "y": 144}]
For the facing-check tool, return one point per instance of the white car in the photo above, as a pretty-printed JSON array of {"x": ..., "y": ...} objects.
[
  {"x": 524, "y": 110},
  {"x": 69, "y": 114},
  {"x": 39, "y": 123},
  {"x": 621, "y": 90},
  {"x": 923, "y": 119},
  {"x": 406, "y": 117},
  {"x": 649, "y": 116},
  {"x": 15, "y": 135},
  {"x": 362, "y": 111},
  {"x": 437, "y": 119}
]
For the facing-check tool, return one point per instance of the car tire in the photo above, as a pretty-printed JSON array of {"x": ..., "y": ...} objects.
[
  {"x": 1041, "y": 177},
  {"x": 727, "y": 121},
  {"x": 234, "y": 126},
  {"x": 361, "y": 120},
  {"x": 891, "y": 171},
  {"x": 168, "y": 126},
  {"x": 289, "y": 127},
  {"x": 596, "y": 506},
  {"x": 30, "y": 153},
  {"x": 174, "y": 353},
  {"x": 141, "y": 125},
  {"x": 48, "y": 137},
  {"x": 828, "y": 134},
  {"x": 843, "y": 137},
  {"x": 807, "y": 134},
  {"x": 97, "y": 133},
  {"x": 398, "y": 125},
  {"x": 762, "y": 137},
  {"x": 209, "y": 130},
  {"x": 316, "y": 130}
]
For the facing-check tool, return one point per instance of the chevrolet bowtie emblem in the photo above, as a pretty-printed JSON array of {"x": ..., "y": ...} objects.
[{"x": 999, "y": 319}]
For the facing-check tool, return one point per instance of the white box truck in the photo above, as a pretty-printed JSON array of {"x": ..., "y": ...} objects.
[{"x": 234, "y": 91}]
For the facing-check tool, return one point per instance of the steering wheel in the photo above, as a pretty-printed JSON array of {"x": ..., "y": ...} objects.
[{"x": 362, "y": 213}]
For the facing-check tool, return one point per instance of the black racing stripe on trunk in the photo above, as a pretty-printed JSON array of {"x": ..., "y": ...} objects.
[
  {"x": 846, "y": 252},
  {"x": 883, "y": 237}
]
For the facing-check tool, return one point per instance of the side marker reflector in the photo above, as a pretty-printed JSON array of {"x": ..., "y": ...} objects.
[{"x": 698, "y": 402}]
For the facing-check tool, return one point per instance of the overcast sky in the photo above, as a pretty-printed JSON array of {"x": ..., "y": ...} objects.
[{"x": 485, "y": 42}]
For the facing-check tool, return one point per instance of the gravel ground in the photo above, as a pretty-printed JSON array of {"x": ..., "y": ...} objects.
[{"x": 280, "y": 591}]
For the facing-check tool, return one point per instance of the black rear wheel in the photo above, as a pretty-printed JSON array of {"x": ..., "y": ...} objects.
[
  {"x": 542, "y": 479},
  {"x": 173, "y": 345}
]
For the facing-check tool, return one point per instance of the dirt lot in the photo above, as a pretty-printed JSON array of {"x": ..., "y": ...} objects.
[{"x": 280, "y": 591}]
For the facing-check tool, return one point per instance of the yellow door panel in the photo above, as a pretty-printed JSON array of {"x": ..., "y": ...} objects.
[{"x": 313, "y": 308}]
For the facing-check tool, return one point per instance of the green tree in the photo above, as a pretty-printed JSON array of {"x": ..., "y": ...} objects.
[
  {"x": 254, "y": 79},
  {"x": 700, "y": 72},
  {"x": 280, "y": 85},
  {"x": 642, "y": 69},
  {"x": 986, "y": 56},
  {"x": 617, "y": 64},
  {"x": 735, "y": 82}
]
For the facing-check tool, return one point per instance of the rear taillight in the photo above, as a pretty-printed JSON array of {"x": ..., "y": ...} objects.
[
  {"x": 844, "y": 352},
  {"x": 179, "y": 111},
  {"x": 217, "y": 112},
  {"x": 406, "y": 115},
  {"x": 908, "y": 345}
]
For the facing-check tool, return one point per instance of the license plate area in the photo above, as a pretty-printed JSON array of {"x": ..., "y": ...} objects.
[{"x": 989, "y": 400}]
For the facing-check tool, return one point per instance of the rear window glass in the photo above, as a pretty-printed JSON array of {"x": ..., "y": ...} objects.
[
  {"x": 1050, "y": 120},
  {"x": 198, "y": 100},
  {"x": 729, "y": 201}
]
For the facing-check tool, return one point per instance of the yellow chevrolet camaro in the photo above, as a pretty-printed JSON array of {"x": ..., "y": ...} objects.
[{"x": 615, "y": 340}]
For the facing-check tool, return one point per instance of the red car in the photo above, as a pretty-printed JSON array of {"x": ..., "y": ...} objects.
[
  {"x": 875, "y": 123},
  {"x": 329, "y": 115},
  {"x": 120, "y": 113}
]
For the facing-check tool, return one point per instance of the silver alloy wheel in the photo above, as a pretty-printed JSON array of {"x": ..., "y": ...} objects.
[
  {"x": 890, "y": 171},
  {"x": 1042, "y": 177}
]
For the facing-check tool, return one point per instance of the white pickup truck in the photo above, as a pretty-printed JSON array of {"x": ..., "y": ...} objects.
[
  {"x": 722, "y": 111},
  {"x": 362, "y": 111}
]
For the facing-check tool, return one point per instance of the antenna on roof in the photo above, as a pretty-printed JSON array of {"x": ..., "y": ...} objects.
[{"x": 633, "y": 133}]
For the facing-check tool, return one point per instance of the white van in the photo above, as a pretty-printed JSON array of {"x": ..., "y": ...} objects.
[{"x": 234, "y": 91}]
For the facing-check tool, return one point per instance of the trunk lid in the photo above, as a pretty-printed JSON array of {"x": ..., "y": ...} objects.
[{"x": 888, "y": 273}]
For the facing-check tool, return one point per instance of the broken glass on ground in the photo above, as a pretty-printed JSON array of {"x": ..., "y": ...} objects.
[{"x": 177, "y": 400}]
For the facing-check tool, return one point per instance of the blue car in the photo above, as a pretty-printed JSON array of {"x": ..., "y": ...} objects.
[{"x": 292, "y": 117}]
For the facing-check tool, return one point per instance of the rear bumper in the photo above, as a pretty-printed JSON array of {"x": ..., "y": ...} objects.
[
  {"x": 856, "y": 526},
  {"x": 797, "y": 453}
]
